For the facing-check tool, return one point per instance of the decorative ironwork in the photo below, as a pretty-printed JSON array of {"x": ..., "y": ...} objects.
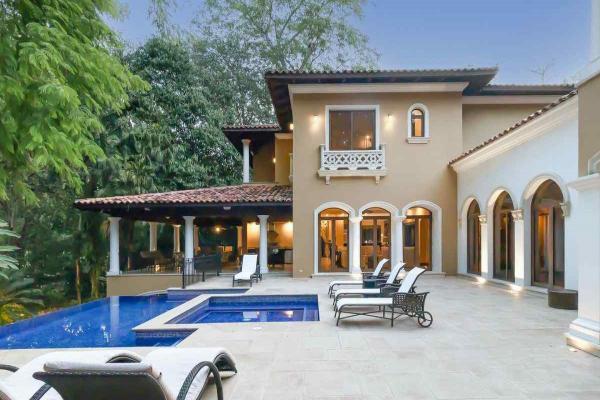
[{"x": 334, "y": 160}]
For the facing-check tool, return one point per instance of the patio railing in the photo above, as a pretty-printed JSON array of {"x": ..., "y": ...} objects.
[{"x": 195, "y": 269}]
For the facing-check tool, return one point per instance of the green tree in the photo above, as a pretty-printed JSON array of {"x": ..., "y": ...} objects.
[
  {"x": 241, "y": 39},
  {"x": 7, "y": 262},
  {"x": 58, "y": 75},
  {"x": 17, "y": 298}
]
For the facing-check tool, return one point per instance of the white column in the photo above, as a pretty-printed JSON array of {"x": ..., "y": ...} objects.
[
  {"x": 584, "y": 332},
  {"x": 263, "y": 244},
  {"x": 246, "y": 156},
  {"x": 114, "y": 246},
  {"x": 354, "y": 250},
  {"x": 176, "y": 238},
  {"x": 484, "y": 251},
  {"x": 153, "y": 228},
  {"x": 398, "y": 240},
  {"x": 595, "y": 31},
  {"x": 189, "y": 237},
  {"x": 519, "y": 246}
]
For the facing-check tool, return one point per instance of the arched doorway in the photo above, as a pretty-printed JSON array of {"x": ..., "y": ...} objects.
[
  {"x": 473, "y": 239},
  {"x": 547, "y": 236},
  {"x": 417, "y": 238},
  {"x": 375, "y": 237},
  {"x": 333, "y": 240},
  {"x": 504, "y": 252}
]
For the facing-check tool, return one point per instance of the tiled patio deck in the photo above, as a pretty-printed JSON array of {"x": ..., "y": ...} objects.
[{"x": 486, "y": 342}]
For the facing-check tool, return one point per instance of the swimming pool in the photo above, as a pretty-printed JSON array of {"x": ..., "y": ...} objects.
[
  {"x": 268, "y": 308},
  {"x": 101, "y": 323}
]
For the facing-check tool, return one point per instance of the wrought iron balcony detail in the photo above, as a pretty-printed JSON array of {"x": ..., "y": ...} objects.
[{"x": 336, "y": 163}]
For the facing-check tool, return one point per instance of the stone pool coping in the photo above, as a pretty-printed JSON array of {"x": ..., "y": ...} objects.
[{"x": 160, "y": 322}]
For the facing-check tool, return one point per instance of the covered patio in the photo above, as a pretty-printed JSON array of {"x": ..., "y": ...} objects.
[{"x": 219, "y": 225}]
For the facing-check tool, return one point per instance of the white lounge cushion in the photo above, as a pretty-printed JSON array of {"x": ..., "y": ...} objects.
[
  {"x": 176, "y": 363},
  {"x": 344, "y": 283},
  {"x": 22, "y": 385},
  {"x": 356, "y": 291},
  {"x": 248, "y": 267},
  {"x": 364, "y": 302}
]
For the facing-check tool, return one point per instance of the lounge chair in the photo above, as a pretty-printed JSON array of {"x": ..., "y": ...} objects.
[
  {"x": 21, "y": 385},
  {"x": 164, "y": 374},
  {"x": 248, "y": 272},
  {"x": 377, "y": 273},
  {"x": 402, "y": 302},
  {"x": 392, "y": 277}
]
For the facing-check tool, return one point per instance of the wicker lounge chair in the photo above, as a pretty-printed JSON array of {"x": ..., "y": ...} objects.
[
  {"x": 248, "y": 271},
  {"x": 377, "y": 273},
  {"x": 400, "y": 303},
  {"x": 21, "y": 385},
  {"x": 164, "y": 374},
  {"x": 392, "y": 277}
]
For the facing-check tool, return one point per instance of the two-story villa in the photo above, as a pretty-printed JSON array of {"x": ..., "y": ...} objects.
[{"x": 434, "y": 168}]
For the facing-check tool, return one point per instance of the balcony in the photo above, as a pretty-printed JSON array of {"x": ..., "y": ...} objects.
[{"x": 350, "y": 163}]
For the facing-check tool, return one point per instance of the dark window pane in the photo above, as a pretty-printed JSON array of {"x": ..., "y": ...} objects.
[
  {"x": 363, "y": 130},
  {"x": 352, "y": 130}
]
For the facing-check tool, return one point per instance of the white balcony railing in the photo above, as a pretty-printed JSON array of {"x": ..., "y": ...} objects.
[{"x": 352, "y": 163}]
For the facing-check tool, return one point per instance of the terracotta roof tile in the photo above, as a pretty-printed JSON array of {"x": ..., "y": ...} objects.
[
  {"x": 245, "y": 193},
  {"x": 514, "y": 127}
]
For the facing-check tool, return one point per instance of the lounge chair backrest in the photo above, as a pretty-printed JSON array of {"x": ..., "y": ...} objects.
[
  {"x": 122, "y": 381},
  {"x": 394, "y": 273},
  {"x": 249, "y": 263},
  {"x": 410, "y": 279},
  {"x": 379, "y": 267}
]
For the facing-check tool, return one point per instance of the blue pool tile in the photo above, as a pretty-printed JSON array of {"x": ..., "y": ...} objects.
[{"x": 274, "y": 308}]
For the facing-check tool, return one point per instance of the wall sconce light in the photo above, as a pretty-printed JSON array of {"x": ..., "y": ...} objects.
[
  {"x": 274, "y": 159},
  {"x": 291, "y": 126}
]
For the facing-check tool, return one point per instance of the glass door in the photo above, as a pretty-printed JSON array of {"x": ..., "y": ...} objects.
[
  {"x": 375, "y": 237},
  {"x": 333, "y": 241},
  {"x": 417, "y": 238}
]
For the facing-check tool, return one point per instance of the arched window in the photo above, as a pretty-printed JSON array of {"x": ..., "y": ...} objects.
[
  {"x": 504, "y": 252},
  {"x": 417, "y": 238},
  {"x": 548, "y": 236},
  {"x": 473, "y": 239},
  {"x": 375, "y": 234},
  {"x": 333, "y": 240},
  {"x": 417, "y": 123}
]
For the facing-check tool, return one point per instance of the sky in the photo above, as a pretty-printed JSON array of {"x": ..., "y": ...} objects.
[{"x": 517, "y": 36}]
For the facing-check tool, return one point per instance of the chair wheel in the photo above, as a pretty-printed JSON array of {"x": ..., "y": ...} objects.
[{"x": 425, "y": 320}]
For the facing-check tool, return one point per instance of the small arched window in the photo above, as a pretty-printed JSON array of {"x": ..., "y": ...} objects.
[{"x": 417, "y": 123}]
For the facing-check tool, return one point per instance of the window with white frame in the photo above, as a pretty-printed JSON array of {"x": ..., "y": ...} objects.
[
  {"x": 418, "y": 123},
  {"x": 351, "y": 128}
]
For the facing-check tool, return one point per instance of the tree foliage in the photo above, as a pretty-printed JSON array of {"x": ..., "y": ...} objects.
[
  {"x": 242, "y": 39},
  {"x": 57, "y": 77}
]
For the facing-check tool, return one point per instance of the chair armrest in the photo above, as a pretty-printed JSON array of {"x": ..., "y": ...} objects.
[
  {"x": 388, "y": 290},
  {"x": 185, "y": 387},
  {"x": 10, "y": 368}
]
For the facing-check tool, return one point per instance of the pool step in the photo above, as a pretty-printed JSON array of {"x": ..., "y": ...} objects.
[{"x": 183, "y": 294}]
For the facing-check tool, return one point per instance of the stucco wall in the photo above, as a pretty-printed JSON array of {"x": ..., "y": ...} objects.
[
  {"x": 128, "y": 285},
  {"x": 552, "y": 154},
  {"x": 283, "y": 148},
  {"x": 482, "y": 121},
  {"x": 263, "y": 168},
  {"x": 415, "y": 171},
  {"x": 589, "y": 122}
]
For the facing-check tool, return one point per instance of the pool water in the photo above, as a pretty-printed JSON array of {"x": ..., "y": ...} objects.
[
  {"x": 102, "y": 323},
  {"x": 279, "y": 308}
]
